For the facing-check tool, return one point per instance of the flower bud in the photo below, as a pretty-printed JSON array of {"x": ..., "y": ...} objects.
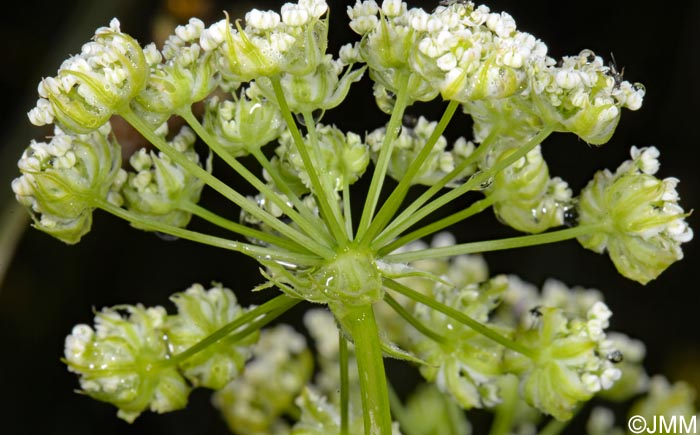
[
  {"x": 295, "y": 42},
  {"x": 186, "y": 77},
  {"x": 244, "y": 124},
  {"x": 583, "y": 96},
  {"x": 90, "y": 87},
  {"x": 344, "y": 157},
  {"x": 200, "y": 313},
  {"x": 62, "y": 179},
  {"x": 410, "y": 142},
  {"x": 638, "y": 219},
  {"x": 160, "y": 187},
  {"x": 123, "y": 361}
]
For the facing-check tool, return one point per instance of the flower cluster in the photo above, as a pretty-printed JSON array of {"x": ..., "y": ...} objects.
[
  {"x": 130, "y": 358},
  {"x": 638, "y": 219},
  {"x": 526, "y": 197},
  {"x": 63, "y": 179},
  {"x": 90, "y": 87},
  {"x": 408, "y": 145},
  {"x": 161, "y": 189}
]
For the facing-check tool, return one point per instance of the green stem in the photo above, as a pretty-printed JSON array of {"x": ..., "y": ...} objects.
[
  {"x": 392, "y": 131},
  {"x": 347, "y": 208},
  {"x": 323, "y": 199},
  {"x": 221, "y": 187},
  {"x": 492, "y": 245},
  {"x": 243, "y": 230},
  {"x": 258, "y": 317},
  {"x": 329, "y": 191},
  {"x": 370, "y": 367},
  {"x": 391, "y": 230},
  {"x": 475, "y": 180},
  {"x": 555, "y": 427},
  {"x": 401, "y": 311},
  {"x": 308, "y": 226},
  {"x": 470, "y": 211},
  {"x": 397, "y": 196},
  {"x": 344, "y": 384},
  {"x": 287, "y": 191},
  {"x": 460, "y": 317},
  {"x": 505, "y": 411},
  {"x": 256, "y": 252}
]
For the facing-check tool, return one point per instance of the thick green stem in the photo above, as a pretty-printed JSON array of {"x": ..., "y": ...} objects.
[
  {"x": 249, "y": 206},
  {"x": 324, "y": 201},
  {"x": 243, "y": 230},
  {"x": 256, "y": 252},
  {"x": 344, "y": 363},
  {"x": 254, "y": 319},
  {"x": 370, "y": 367},
  {"x": 392, "y": 131},
  {"x": 472, "y": 210},
  {"x": 474, "y": 181},
  {"x": 460, "y": 317},
  {"x": 397, "y": 196},
  {"x": 492, "y": 245}
]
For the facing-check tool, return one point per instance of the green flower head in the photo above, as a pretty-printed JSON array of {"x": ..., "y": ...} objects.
[
  {"x": 200, "y": 313},
  {"x": 63, "y": 179},
  {"x": 121, "y": 361},
  {"x": 90, "y": 87},
  {"x": 638, "y": 219}
]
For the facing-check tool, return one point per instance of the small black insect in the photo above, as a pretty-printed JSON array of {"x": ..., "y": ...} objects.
[
  {"x": 536, "y": 311},
  {"x": 616, "y": 73}
]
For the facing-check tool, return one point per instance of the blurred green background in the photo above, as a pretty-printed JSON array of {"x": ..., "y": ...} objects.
[{"x": 50, "y": 286}]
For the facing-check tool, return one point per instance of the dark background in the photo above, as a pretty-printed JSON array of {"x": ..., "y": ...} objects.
[{"x": 50, "y": 286}]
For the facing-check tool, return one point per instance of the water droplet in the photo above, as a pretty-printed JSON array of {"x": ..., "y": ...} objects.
[
  {"x": 571, "y": 216},
  {"x": 615, "y": 357},
  {"x": 166, "y": 237},
  {"x": 316, "y": 115},
  {"x": 484, "y": 183}
]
